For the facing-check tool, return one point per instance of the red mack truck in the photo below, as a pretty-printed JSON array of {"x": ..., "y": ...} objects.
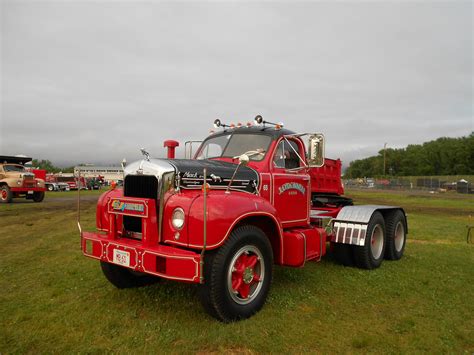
[{"x": 252, "y": 196}]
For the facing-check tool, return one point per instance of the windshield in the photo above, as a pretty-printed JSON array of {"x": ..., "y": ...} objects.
[
  {"x": 17, "y": 168},
  {"x": 232, "y": 145}
]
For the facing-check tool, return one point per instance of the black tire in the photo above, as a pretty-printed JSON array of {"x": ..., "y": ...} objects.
[
  {"x": 5, "y": 194},
  {"x": 38, "y": 196},
  {"x": 343, "y": 253},
  {"x": 122, "y": 277},
  {"x": 396, "y": 235},
  {"x": 249, "y": 249},
  {"x": 371, "y": 255}
]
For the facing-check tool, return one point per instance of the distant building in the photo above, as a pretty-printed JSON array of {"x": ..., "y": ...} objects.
[{"x": 109, "y": 173}]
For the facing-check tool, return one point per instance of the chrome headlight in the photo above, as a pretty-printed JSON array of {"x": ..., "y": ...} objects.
[{"x": 177, "y": 218}]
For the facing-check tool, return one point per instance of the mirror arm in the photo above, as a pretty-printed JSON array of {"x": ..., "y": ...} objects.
[{"x": 304, "y": 163}]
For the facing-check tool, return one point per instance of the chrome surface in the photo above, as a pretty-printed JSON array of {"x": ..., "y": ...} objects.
[
  {"x": 145, "y": 154},
  {"x": 350, "y": 225},
  {"x": 155, "y": 167},
  {"x": 316, "y": 150},
  {"x": 360, "y": 214},
  {"x": 163, "y": 171}
]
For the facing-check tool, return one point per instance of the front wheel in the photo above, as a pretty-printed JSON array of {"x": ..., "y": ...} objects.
[
  {"x": 5, "y": 194},
  {"x": 237, "y": 276},
  {"x": 38, "y": 196}
]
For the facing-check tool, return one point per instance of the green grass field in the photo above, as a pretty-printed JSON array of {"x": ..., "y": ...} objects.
[{"x": 55, "y": 300}]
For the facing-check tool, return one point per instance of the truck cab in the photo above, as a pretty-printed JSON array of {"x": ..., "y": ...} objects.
[
  {"x": 251, "y": 197},
  {"x": 279, "y": 157}
]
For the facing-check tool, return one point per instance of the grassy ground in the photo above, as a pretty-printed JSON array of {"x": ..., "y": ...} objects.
[{"x": 55, "y": 300}]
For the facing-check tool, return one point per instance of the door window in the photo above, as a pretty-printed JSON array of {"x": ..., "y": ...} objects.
[{"x": 285, "y": 155}]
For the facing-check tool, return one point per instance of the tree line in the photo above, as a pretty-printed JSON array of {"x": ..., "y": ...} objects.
[
  {"x": 443, "y": 156},
  {"x": 50, "y": 167}
]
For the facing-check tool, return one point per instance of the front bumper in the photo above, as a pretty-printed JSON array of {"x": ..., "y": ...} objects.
[
  {"x": 159, "y": 260},
  {"x": 26, "y": 189}
]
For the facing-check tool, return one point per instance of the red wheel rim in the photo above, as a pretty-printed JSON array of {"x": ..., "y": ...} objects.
[
  {"x": 4, "y": 194},
  {"x": 245, "y": 275}
]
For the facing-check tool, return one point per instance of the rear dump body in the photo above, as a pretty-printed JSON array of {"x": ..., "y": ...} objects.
[{"x": 327, "y": 179}]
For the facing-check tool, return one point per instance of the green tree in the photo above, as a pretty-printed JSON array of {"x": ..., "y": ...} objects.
[{"x": 443, "y": 156}]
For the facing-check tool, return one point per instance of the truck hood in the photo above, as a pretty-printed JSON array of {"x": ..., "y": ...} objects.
[
  {"x": 189, "y": 173},
  {"x": 219, "y": 174}
]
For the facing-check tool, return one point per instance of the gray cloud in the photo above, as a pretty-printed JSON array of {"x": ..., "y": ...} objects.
[{"x": 94, "y": 81}]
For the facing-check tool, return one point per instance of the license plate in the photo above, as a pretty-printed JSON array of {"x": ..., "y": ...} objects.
[
  {"x": 121, "y": 257},
  {"x": 30, "y": 192}
]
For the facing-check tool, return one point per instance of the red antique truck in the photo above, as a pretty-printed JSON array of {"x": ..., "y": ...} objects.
[{"x": 253, "y": 196}]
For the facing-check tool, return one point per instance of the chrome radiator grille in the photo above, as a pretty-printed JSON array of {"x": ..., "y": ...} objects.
[{"x": 144, "y": 186}]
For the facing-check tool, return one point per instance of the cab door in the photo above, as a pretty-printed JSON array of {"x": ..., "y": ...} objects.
[{"x": 291, "y": 186}]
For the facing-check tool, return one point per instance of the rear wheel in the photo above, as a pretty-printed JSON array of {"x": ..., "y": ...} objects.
[
  {"x": 396, "y": 235},
  {"x": 237, "y": 276},
  {"x": 38, "y": 196},
  {"x": 370, "y": 256},
  {"x": 122, "y": 277},
  {"x": 5, "y": 194}
]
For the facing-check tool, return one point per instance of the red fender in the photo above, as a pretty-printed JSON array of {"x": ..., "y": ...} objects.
[{"x": 225, "y": 211}]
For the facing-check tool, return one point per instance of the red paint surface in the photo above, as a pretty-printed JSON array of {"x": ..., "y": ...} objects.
[{"x": 281, "y": 208}]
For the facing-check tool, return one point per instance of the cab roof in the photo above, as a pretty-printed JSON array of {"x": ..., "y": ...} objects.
[
  {"x": 6, "y": 159},
  {"x": 268, "y": 130}
]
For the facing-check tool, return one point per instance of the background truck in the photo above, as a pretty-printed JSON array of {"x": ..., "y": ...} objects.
[
  {"x": 52, "y": 183},
  {"x": 253, "y": 196},
  {"x": 18, "y": 181},
  {"x": 66, "y": 183}
]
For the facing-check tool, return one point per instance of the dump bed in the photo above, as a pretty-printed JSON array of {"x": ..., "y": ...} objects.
[{"x": 327, "y": 179}]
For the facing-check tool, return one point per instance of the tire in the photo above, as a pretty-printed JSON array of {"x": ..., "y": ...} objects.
[
  {"x": 122, "y": 277},
  {"x": 50, "y": 188},
  {"x": 238, "y": 275},
  {"x": 396, "y": 235},
  {"x": 371, "y": 255},
  {"x": 343, "y": 253},
  {"x": 5, "y": 194},
  {"x": 38, "y": 196}
]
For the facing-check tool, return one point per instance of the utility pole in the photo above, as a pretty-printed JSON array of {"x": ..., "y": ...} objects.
[{"x": 384, "y": 157}]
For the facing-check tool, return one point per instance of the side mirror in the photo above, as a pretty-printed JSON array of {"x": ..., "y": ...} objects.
[{"x": 316, "y": 150}]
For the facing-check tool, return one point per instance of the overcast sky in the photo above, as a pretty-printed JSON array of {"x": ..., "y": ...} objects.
[{"x": 94, "y": 81}]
